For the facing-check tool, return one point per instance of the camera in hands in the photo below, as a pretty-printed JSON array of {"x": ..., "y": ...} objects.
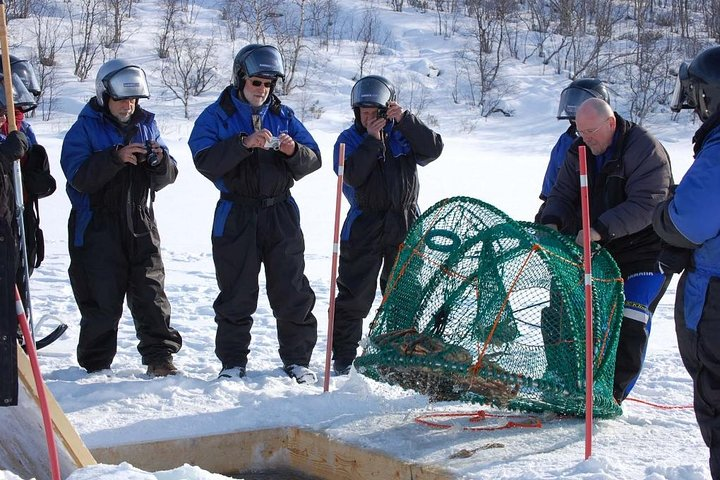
[
  {"x": 150, "y": 155},
  {"x": 273, "y": 143},
  {"x": 382, "y": 112}
]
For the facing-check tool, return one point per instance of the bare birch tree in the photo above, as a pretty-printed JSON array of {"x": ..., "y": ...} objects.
[{"x": 189, "y": 68}]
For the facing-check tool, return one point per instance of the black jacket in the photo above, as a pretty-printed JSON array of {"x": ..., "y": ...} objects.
[{"x": 623, "y": 196}]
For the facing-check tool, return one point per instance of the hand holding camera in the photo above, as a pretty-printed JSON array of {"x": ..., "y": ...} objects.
[
  {"x": 393, "y": 111},
  {"x": 152, "y": 157},
  {"x": 266, "y": 140},
  {"x": 137, "y": 153}
]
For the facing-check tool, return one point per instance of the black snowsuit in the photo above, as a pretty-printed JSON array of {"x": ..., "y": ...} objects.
[
  {"x": 381, "y": 183},
  {"x": 257, "y": 223},
  {"x": 14, "y": 147},
  {"x": 113, "y": 239},
  {"x": 634, "y": 177}
]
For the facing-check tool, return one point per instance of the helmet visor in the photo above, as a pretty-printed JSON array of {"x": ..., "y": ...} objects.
[
  {"x": 128, "y": 82},
  {"x": 570, "y": 100},
  {"x": 22, "y": 98},
  {"x": 264, "y": 62},
  {"x": 370, "y": 92},
  {"x": 27, "y": 74},
  {"x": 680, "y": 98}
]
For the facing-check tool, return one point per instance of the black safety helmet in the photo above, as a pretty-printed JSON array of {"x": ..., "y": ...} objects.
[
  {"x": 577, "y": 92},
  {"x": 698, "y": 84},
  {"x": 372, "y": 91},
  {"x": 22, "y": 98},
  {"x": 257, "y": 60},
  {"x": 24, "y": 73}
]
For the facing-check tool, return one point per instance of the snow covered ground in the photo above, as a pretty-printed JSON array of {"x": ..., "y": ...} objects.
[{"x": 500, "y": 160}]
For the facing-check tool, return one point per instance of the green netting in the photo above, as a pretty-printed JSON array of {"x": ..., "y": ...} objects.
[{"x": 485, "y": 309}]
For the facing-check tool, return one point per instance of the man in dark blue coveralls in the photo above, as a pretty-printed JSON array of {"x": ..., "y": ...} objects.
[
  {"x": 690, "y": 224},
  {"x": 384, "y": 146},
  {"x": 253, "y": 149}
]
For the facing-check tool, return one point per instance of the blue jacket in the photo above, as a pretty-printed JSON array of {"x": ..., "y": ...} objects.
[
  {"x": 557, "y": 158},
  {"x": 695, "y": 222},
  {"x": 96, "y": 178},
  {"x": 218, "y": 153}
]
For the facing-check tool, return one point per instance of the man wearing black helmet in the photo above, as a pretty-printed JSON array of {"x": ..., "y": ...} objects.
[
  {"x": 115, "y": 161},
  {"x": 253, "y": 149},
  {"x": 570, "y": 99},
  {"x": 628, "y": 175},
  {"x": 690, "y": 223},
  {"x": 384, "y": 146}
]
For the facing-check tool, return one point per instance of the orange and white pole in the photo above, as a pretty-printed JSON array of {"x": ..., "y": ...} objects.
[
  {"x": 587, "y": 262},
  {"x": 333, "y": 273}
]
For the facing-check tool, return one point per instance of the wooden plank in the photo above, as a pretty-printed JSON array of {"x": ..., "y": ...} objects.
[
  {"x": 318, "y": 455},
  {"x": 227, "y": 454},
  {"x": 311, "y": 453},
  {"x": 64, "y": 430}
]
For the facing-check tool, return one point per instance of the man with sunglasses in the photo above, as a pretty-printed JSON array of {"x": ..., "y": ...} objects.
[
  {"x": 690, "y": 222},
  {"x": 114, "y": 161},
  {"x": 629, "y": 174},
  {"x": 253, "y": 148}
]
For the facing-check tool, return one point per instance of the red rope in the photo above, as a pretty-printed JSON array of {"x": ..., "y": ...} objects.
[
  {"x": 657, "y": 405},
  {"x": 520, "y": 421}
]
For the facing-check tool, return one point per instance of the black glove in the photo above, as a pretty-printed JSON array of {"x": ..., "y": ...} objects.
[
  {"x": 674, "y": 259},
  {"x": 14, "y": 146}
]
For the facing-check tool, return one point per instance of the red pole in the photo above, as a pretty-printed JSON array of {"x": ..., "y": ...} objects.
[
  {"x": 44, "y": 409},
  {"x": 587, "y": 261},
  {"x": 336, "y": 249}
]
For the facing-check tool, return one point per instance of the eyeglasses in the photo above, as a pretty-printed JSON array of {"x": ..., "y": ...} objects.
[
  {"x": 592, "y": 131},
  {"x": 257, "y": 83}
]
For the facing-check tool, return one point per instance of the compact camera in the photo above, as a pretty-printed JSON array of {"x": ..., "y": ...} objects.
[
  {"x": 150, "y": 156},
  {"x": 273, "y": 143},
  {"x": 382, "y": 112}
]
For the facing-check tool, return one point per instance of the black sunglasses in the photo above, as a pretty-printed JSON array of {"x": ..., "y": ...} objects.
[{"x": 257, "y": 83}]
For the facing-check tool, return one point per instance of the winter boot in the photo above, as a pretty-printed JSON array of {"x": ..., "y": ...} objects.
[
  {"x": 232, "y": 372},
  {"x": 162, "y": 368},
  {"x": 300, "y": 373}
]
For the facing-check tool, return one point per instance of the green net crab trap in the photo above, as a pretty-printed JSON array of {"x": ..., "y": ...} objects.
[{"x": 485, "y": 309}]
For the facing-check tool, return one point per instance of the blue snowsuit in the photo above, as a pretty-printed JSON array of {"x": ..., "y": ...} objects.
[
  {"x": 691, "y": 220},
  {"x": 257, "y": 222},
  {"x": 113, "y": 239}
]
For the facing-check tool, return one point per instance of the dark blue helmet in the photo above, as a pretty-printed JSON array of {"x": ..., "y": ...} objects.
[
  {"x": 698, "y": 84},
  {"x": 372, "y": 91},
  {"x": 577, "y": 92},
  {"x": 257, "y": 60}
]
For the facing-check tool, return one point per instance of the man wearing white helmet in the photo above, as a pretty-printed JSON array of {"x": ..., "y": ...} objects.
[{"x": 114, "y": 160}]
